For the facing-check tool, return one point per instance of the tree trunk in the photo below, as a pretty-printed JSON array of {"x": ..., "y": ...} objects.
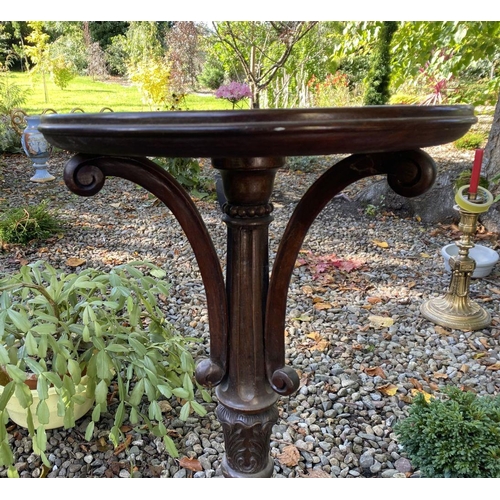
[{"x": 492, "y": 150}]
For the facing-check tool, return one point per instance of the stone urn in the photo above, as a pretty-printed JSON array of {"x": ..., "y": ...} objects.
[{"x": 37, "y": 149}]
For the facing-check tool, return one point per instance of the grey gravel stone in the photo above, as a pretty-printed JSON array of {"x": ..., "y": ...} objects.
[{"x": 340, "y": 420}]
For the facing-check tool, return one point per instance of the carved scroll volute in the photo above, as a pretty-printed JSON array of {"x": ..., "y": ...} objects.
[
  {"x": 85, "y": 176},
  {"x": 410, "y": 173}
]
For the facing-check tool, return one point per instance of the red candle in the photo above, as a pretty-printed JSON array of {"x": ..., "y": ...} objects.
[{"x": 476, "y": 171}]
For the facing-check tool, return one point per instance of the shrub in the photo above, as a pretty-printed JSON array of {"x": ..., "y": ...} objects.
[
  {"x": 458, "y": 436},
  {"x": 187, "y": 171},
  {"x": 152, "y": 78},
  {"x": 24, "y": 224},
  {"x": 334, "y": 91},
  {"x": 471, "y": 140},
  {"x": 10, "y": 140},
  {"x": 62, "y": 72}
]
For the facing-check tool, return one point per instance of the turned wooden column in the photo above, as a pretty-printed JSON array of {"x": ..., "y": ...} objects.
[{"x": 247, "y": 408}]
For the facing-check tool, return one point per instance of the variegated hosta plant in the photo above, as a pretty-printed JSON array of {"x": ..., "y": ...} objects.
[{"x": 98, "y": 327}]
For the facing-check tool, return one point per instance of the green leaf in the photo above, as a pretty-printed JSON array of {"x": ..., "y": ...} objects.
[
  {"x": 154, "y": 411},
  {"x": 75, "y": 371},
  {"x": 42, "y": 412},
  {"x": 16, "y": 373},
  {"x": 69, "y": 417},
  {"x": 187, "y": 383},
  {"x": 184, "y": 414},
  {"x": 42, "y": 345},
  {"x": 31, "y": 345},
  {"x": 137, "y": 393},
  {"x": 7, "y": 393},
  {"x": 114, "y": 436},
  {"x": 101, "y": 392},
  {"x": 104, "y": 365},
  {"x": 4, "y": 356},
  {"x": 40, "y": 440},
  {"x": 42, "y": 388},
  {"x": 53, "y": 379},
  {"x": 170, "y": 446},
  {"x": 45, "y": 328},
  {"x": 120, "y": 414},
  {"x": 198, "y": 408},
  {"x": 23, "y": 394},
  {"x": 134, "y": 416},
  {"x": 118, "y": 348},
  {"x": 138, "y": 347},
  {"x": 96, "y": 413},
  {"x": 6, "y": 456},
  {"x": 165, "y": 390},
  {"x": 180, "y": 393},
  {"x": 86, "y": 334},
  {"x": 20, "y": 320},
  {"x": 89, "y": 431},
  {"x": 158, "y": 273}
]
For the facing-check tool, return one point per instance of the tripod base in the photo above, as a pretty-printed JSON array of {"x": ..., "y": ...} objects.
[{"x": 454, "y": 312}]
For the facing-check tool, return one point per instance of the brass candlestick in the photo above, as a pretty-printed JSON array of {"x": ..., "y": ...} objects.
[{"x": 455, "y": 309}]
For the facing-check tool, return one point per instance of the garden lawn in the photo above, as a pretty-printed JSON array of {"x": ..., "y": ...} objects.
[{"x": 91, "y": 96}]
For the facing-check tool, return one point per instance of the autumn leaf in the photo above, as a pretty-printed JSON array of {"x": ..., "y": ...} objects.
[
  {"x": 290, "y": 456},
  {"x": 425, "y": 255},
  {"x": 75, "y": 262},
  {"x": 388, "y": 389},
  {"x": 302, "y": 317},
  {"x": 380, "y": 321},
  {"x": 374, "y": 300},
  {"x": 494, "y": 367},
  {"x": 440, "y": 375},
  {"x": 320, "y": 344},
  {"x": 375, "y": 371},
  {"x": 322, "y": 305},
  {"x": 191, "y": 464},
  {"x": 427, "y": 396},
  {"x": 123, "y": 446},
  {"x": 307, "y": 289},
  {"x": 381, "y": 244},
  {"x": 416, "y": 383},
  {"x": 442, "y": 331}
]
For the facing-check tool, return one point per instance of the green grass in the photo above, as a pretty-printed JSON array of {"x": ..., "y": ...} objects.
[{"x": 91, "y": 96}]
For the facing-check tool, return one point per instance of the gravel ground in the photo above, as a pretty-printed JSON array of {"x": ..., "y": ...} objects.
[{"x": 356, "y": 338}]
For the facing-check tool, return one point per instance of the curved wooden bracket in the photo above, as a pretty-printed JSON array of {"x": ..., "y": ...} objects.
[
  {"x": 409, "y": 173},
  {"x": 85, "y": 176}
]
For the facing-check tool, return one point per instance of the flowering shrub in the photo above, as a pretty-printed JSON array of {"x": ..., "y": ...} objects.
[
  {"x": 234, "y": 92},
  {"x": 334, "y": 90}
]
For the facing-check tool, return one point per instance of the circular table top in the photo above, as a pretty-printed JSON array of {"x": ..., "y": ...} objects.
[{"x": 258, "y": 133}]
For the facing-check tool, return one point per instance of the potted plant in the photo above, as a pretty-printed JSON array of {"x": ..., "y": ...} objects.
[{"x": 75, "y": 334}]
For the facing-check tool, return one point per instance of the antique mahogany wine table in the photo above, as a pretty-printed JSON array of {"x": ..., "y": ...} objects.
[{"x": 247, "y": 310}]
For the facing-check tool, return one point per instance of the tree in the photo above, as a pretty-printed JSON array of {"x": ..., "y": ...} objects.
[
  {"x": 261, "y": 48},
  {"x": 444, "y": 48},
  {"x": 38, "y": 51},
  {"x": 183, "y": 55},
  {"x": 379, "y": 76},
  {"x": 492, "y": 150}
]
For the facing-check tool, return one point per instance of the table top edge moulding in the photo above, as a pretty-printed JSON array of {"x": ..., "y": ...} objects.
[
  {"x": 247, "y": 306},
  {"x": 254, "y": 133}
]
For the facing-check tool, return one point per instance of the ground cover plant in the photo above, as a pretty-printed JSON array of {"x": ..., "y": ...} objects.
[
  {"x": 22, "y": 225},
  {"x": 457, "y": 436}
]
